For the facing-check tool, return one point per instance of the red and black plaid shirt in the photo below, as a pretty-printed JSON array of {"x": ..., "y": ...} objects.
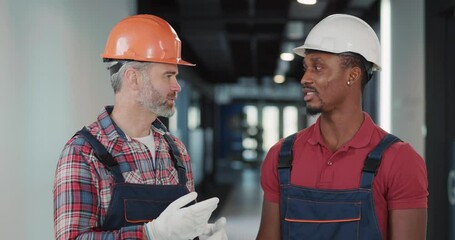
[{"x": 83, "y": 185}]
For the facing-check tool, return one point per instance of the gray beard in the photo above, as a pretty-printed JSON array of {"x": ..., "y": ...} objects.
[{"x": 152, "y": 100}]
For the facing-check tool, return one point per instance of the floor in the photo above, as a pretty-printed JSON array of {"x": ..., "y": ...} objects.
[{"x": 243, "y": 205}]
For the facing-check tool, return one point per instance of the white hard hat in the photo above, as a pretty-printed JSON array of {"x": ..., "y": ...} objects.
[{"x": 340, "y": 33}]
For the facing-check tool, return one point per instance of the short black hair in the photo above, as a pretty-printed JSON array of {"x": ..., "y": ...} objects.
[{"x": 350, "y": 59}]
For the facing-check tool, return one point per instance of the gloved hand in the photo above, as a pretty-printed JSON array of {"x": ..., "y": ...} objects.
[
  {"x": 215, "y": 231},
  {"x": 177, "y": 222}
]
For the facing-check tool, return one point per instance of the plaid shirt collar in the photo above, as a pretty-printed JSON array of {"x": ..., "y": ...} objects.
[{"x": 112, "y": 131}]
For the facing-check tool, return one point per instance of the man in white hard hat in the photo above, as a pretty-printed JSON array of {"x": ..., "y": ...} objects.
[
  {"x": 343, "y": 177},
  {"x": 125, "y": 176}
]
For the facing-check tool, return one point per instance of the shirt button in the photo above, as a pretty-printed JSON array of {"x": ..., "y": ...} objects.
[{"x": 330, "y": 163}]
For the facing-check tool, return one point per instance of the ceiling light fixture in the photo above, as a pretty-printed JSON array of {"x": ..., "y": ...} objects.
[
  {"x": 278, "y": 79},
  {"x": 307, "y": 2},
  {"x": 287, "y": 57}
]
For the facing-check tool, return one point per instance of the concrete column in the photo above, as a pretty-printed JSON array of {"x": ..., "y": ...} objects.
[{"x": 407, "y": 69}]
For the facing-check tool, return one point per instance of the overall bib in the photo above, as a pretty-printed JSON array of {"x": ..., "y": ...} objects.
[
  {"x": 307, "y": 213},
  {"x": 134, "y": 204}
]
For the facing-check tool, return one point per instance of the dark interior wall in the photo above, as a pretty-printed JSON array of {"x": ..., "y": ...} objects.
[
  {"x": 451, "y": 118},
  {"x": 440, "y": 27}
]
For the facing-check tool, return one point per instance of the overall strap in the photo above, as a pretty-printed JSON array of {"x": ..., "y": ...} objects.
[
  {"x": 174, "y": 152},
  {"x": 373, "y": 160},
  {"x": 285, "y": 159},
  {"x": 102, "y": 154}
]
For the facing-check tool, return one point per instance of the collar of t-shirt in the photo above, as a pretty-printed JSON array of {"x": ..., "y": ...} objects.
[
  {"x": 360, "y": 139},
  {"x": 149, "y": 141}
]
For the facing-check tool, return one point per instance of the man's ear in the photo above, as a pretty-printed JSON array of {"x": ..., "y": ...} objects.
[
  {"x": 131, "y": 78},
  {"x": 355, "y": 74}
]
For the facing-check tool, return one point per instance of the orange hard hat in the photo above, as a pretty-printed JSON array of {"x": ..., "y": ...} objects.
[{"x": 144, "y": 38}]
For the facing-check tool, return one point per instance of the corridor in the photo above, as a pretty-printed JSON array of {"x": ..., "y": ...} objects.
[{"x": 243, "y": 206}]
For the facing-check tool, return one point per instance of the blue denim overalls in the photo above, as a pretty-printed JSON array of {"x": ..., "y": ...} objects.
[
  {"x": 308, "y": 213},
  {"x": 134, "y": 204}
]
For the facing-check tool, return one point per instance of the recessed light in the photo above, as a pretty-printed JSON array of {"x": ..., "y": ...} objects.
[
  {"x": 287, "y": 57},
  {"x": 278, "y": 79},
  {"x": 307, "y": 2}
]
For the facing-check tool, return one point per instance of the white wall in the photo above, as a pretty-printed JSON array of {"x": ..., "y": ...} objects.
[{"x": 52, "y": 83}]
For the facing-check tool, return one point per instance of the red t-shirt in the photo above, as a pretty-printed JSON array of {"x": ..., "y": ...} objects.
[{"x": 401, "y": 181}]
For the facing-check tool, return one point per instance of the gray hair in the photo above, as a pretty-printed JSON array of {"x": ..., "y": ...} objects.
[{"x": 117, "y": 77}]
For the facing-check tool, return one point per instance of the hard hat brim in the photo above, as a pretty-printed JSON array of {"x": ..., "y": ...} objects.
[
  {"x": 167, "y": 61},
  {"x": 300, "y": 51}
]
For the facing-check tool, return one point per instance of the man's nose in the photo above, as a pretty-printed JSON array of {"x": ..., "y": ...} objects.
[
  {"x": 176, "y": 85},
  {"x": 306, "y": 79}
]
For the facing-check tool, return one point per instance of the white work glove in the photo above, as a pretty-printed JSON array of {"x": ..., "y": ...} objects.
[
  {"x": 215, "y": 231},
  {"x": 182, "y": 223}
]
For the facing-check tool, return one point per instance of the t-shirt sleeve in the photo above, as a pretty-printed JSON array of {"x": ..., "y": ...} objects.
[
  {"x": 269, "y": 175},
  {"x": 407, "y": 181}
]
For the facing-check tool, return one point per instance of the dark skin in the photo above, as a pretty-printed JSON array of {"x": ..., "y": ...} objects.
[{"x": 335, "y": 92}]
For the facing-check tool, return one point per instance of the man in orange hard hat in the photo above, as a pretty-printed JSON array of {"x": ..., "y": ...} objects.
[
  {"x": 125, "y": 176},
  {"x": 343, "y": 177}
]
